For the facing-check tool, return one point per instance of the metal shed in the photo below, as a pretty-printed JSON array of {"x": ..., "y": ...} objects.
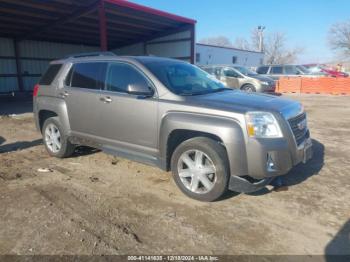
[{"x": 33, "y": 32}]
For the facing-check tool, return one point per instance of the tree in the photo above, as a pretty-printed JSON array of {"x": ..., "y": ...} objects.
[
  {"x": 217, "y": 40},
  {"x": 339, "y": 37},
  {"x": 242, "y": 43},
  {"x": 276, "y": 51},
  {"x": 274, "y": 46}
]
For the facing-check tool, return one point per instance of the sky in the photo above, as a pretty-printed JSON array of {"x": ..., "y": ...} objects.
[{"x": 305, "y": 23}]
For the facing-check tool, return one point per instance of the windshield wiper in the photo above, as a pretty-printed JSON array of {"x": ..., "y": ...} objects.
[{"x": 206, "y": 92}]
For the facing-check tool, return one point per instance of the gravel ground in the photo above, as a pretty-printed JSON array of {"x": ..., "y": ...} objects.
[{"x": 93, "y": 203}]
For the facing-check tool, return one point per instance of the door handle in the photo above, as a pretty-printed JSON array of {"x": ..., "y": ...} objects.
[
  {"x": 106, "y": 99},
  {"x": 64, "y": 94}
]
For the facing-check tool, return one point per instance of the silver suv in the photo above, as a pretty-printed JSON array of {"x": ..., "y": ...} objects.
[
  {"x": 277, "y": 71},
  {"x": 173, "y": 115}
]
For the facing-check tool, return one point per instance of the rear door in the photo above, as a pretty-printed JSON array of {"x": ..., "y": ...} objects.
[
  {"x": 128, "y": 121},
  {"x": 82, "y": 91}
]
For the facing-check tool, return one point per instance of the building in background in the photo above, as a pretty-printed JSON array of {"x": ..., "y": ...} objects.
[
  {"x": 32, "y": 33},
  {"x": 213, "y": 55}
]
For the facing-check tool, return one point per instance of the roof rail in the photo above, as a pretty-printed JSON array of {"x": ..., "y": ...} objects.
[{"x": 90, "y": 54}]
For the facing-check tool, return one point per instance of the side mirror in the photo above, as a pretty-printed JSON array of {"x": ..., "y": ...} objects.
[{"x": 139, "y": 89}]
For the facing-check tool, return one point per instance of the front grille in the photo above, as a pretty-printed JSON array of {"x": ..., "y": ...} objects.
[{"x": 300, "y": 134}]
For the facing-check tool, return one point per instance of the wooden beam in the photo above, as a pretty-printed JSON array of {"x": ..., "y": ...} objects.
[
  {"x": 63, "y": 20},
  {"x": 170, "y": 41},
  {"x": 137, "y": 17},
  {"x": 112, "y": 21}
]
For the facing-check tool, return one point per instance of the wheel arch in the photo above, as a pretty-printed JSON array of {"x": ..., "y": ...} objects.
[
  {"x": 51, "y": 107},
  {"x": 179, "y": 126}
]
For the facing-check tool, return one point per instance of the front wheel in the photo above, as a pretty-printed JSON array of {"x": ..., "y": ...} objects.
[
  {"x": 248, "y": 88},
  {"x": 200, "y": 168}
]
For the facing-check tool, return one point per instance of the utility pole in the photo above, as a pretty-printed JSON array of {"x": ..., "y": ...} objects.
[{"x": 261, "y": 37}]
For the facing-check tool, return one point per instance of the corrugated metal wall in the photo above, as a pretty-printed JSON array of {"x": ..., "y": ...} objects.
[
  {"x": 34, "y": 58},
  {"x": 7, "y": 66},
  {"x": 176, "y": 45}
]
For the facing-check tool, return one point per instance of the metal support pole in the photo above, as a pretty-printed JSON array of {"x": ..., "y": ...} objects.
[
  {"x": 103, "y": 26},
  {"x": 193, "y": 44},
  {"x": 18, "y": 65}
]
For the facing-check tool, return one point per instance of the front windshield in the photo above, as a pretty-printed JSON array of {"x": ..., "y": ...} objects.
[
  {"x": 184, "y": 79},
  {"x": 245, "y": 71}
]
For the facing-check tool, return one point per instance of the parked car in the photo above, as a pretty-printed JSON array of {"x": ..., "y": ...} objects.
[
  {"x": 173, "y": 115},
  {"x": 277, "y": 71},
  {"x": 240, "y": 77},
  {"x": 316, "y": 68}
]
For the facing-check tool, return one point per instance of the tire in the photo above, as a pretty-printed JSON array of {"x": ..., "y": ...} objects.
[
  {"x": 214, "y": 157},
  {"x": 66, "y": 148},
  {"x": 248, "y": 88}
]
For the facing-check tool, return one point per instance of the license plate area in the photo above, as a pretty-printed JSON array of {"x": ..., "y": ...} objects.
[{"x": 307, "y": 151}]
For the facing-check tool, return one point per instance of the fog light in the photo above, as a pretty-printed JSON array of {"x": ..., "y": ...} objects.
[{"x": 270, "y": 164}]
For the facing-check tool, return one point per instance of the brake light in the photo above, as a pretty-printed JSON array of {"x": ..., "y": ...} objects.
[{"x": 36, "y": 90}]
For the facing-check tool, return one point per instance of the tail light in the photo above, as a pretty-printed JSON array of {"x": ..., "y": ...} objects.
[{"x": 36, "y": 90}]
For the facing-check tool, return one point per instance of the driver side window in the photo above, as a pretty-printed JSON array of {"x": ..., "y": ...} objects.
[
  {"x": 120, "y": 76},
  {"x": 230, "y": 73}
]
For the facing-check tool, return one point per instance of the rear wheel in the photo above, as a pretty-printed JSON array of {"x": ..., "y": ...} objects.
[
  {"x": 55, "y": 141},
  {"x": 200, "y": 168},
  {"x": 248, "y": 88}
]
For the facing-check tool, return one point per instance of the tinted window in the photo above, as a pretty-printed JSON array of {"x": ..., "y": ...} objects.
[
  {"x": 89, "y": 75},
  {"x": 290, "y": 70},
  {"x": 276, "y": 70},
  {"x": 119, "y": 76},
  {"x": 230, "y": 73},
  {"x": 50, "y": 74},
  {"x": 262, "y": 70}
]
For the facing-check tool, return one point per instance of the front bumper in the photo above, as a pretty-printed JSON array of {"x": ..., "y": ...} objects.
[
  {"x": 268, "y": 158},
  {"x": 268, "y": 88}
]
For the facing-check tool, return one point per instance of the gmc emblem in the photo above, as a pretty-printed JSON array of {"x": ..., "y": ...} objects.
[{"x": 302, "y": 125}]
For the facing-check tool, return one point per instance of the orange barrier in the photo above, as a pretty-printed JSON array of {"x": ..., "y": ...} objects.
[
  {"x": 315, "y": 85},
  {"x": 289, "y": 85}
]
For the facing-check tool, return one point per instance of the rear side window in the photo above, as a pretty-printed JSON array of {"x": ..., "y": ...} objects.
[
  {"x": 262, "y": 70},
  {"x": 277, "y": 70},
  {"x": 50, "y": 74},
  {"x": 88, "y": 75},
  {"x": 290, "y": 70}
]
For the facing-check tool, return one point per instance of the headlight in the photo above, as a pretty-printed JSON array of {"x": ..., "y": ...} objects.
[
  {"x": 265, "y": 83},
  {"x": 262, "y": 125}
]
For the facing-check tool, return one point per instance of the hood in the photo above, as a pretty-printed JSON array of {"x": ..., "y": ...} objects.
[{"x": 239, "y": 101}]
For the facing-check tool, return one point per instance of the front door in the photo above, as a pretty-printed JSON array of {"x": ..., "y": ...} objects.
[
  {"x": 230, "y": 78},
  {"x": 128, "y": 121}
]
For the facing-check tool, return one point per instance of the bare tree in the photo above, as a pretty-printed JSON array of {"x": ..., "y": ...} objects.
[
  {"x": 276, "y": 51},
  {"x": 242, "y": 43},
  {"x": 217, "y": 40},
  {"x": 339, "y": 37}
]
